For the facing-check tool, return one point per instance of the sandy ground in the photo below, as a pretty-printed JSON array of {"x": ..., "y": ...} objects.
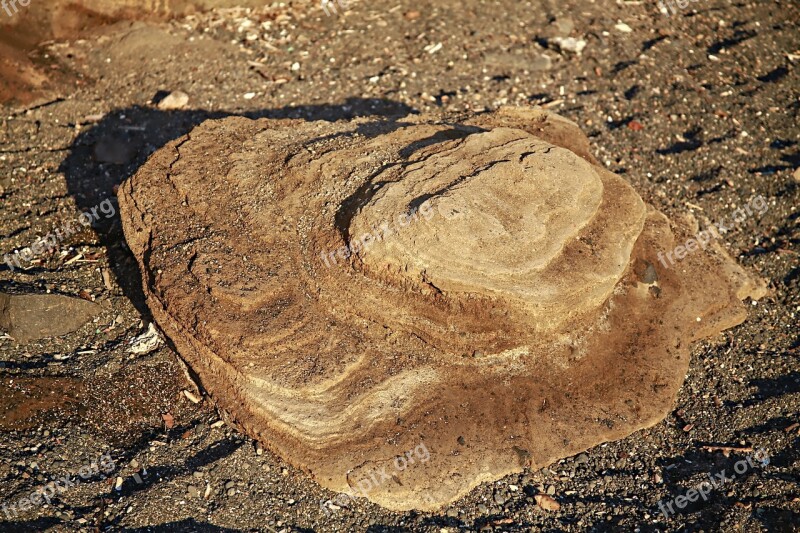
[{"x": 699, "y": 110}]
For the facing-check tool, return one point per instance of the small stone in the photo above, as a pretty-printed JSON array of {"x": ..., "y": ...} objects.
[
  {"x": 624, "y": 28},
  {"x": 230, "y": 484},
  {"x": 551, "y": 490},
  {"x": 197, "y": 474},
  {"x": 30, "y": 317},
  {"x": 563, "y": 26},
  {"x": 194, "y": 492},
  {"x": 499, "y": 499},
  {"x": 547, "y": 503},
  {"x": 482, "y": 508},
  {"x": 582, "y": 459},
  {"x": 231, "y": 492},
  {"x": 797, "y": 175},
  {"x": 542, "y": 62},
  {"x": 569, "y": 44},
  {"x": 174, "y": 100}
]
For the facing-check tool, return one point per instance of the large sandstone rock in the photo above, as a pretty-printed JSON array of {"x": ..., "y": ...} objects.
[{"x": 351, "y": 291}]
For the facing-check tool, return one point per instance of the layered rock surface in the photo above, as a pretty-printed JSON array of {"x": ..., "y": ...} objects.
[{"x": 348, "y": 291}]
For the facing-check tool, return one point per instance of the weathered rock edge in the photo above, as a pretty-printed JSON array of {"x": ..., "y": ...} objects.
[{"x": 341, "y": 368}]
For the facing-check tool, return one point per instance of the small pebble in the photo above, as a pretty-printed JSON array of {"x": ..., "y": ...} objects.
[{"x": 174, "y": 100}]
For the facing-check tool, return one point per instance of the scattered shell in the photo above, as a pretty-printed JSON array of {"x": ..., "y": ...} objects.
[{"x": 147, "y": 342}]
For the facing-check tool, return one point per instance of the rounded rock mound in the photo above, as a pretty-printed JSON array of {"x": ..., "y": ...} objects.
[{"x": 354, "y": 294}]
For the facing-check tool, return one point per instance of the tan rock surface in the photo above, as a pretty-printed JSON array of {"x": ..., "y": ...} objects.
[{"x": 348, "y": 291}]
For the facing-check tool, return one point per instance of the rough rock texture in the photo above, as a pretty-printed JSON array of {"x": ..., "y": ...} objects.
[
  {"x": 29, "y": 317},
  {"x": 347, "y": 291}
]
